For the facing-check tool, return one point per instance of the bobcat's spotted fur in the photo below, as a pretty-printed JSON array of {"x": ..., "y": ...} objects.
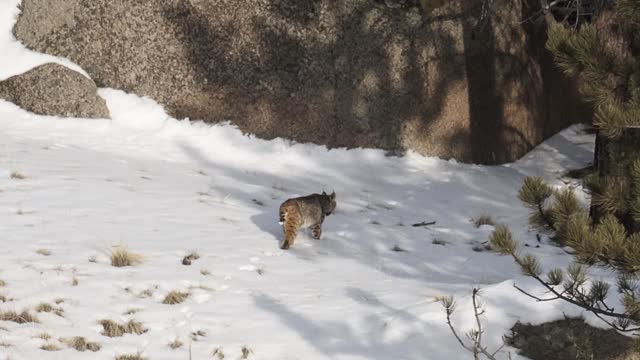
[{"x": 305, "y": 212}]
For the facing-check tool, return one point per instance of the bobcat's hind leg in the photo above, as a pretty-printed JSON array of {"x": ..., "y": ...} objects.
[
  {"x": 290, "y": 232},
  {"x": 317, "y": 231}
]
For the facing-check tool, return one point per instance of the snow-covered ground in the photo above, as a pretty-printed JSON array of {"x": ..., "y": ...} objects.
[{"x": 164, "y": 188}]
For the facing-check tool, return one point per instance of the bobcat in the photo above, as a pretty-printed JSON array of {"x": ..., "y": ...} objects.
[{"x": 305, "y": 212}]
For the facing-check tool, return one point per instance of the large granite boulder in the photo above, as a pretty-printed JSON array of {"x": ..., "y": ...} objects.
[
  {"x": 458, "y": 82},
  {"x": 53, "y": 89}
]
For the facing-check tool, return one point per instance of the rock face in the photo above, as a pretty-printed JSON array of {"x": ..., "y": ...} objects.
[
  {"x": 52, "y": 89},
  {"x": 571, "y": 339},
  {"x": 350, "y": 73}
]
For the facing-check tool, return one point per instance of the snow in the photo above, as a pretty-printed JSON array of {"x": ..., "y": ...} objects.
[{"x": 164, "y": 188}]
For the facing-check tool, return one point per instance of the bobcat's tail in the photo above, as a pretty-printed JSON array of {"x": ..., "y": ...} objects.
[{"x": 283, "y": 214}]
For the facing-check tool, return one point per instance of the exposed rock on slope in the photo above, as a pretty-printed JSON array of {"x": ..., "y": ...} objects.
[
  {"x": 352, "y": 73},
  {"x": 52, "y": 89}
]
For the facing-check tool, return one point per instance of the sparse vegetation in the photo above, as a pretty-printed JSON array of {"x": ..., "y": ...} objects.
[
  {"x": 437, "y": 241},
  {"x": 21, "y": 318},
  {"x": 483, "y": 220},
  {"x": 3, "y": 283},
  {"x": 58, "y": 301},
  {"x": 43, "y": 252},
  {"x": 3, "y": 298},
  {"x": 175, "y": 297},
  {"x": 246, "y": 352},
  {"x": 131, "y": 311},
  {"x": 44, "y": 336},
  {"x": 5, "y": 344},
  {"x": 198, "y": 334},
  {"x": 218, "y": 353},
  {"x": 192, "y": 256},
  {"x": 81, "y": 344},
  {"x": 50, "y": 347},
  {"x": 137, "y": 356},
  {"x": 46, "y": 307},
  {"x": 176, "y": 343},
  {"x": 145, "y": 293},
  {"x": 205, "y": 272},
  {"x": 17, "y": 175},
  {"x": 114, "y": 329},
  {"x": 74, "y": 281},
  {"x": 121, "y": 256}
]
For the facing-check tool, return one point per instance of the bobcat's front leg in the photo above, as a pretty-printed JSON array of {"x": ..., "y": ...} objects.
[{"x": 317, "y": 231}]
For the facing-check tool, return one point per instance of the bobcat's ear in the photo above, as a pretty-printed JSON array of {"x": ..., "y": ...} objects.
[
  {"x": 333, "y": 195},
  {"x": 324, "y": 193}
]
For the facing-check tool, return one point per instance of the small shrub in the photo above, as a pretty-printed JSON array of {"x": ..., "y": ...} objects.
[
  {"x": 175, "y": 297},
  {"x": 22, "y": 318},
  {"x": 18, "y": 176},
  {"x": 50, "y": 347},
  {"x": 120, "y": 257},
  {"x": 175, "y": 344},
  {"x": 81, "y": 344},
  {"x": 113, "y": 329},
  {"x": 483, "y": 220}
]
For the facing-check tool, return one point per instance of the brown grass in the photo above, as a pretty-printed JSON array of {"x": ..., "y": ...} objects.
[
  {"x": 175, "y": 297},
  {"x": 121, "y": 256},
  {"x": 18, "y": 176},
  {"x": 50, "y": 347},
  {"x": 483, "y": 220},
  {"x": 81, "y": 344},
  {"x": 43, "y": 252},
  {"x": 137, "y": 356},
  {"x": 44, "y": 336},
  {"x": 113, "y": 329},
  {"x": 175, "y": 344},
  {"x": 46, "y": 307},
  {"x": 22, "y": 318}
]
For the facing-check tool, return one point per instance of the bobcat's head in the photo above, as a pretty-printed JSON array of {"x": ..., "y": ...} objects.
[{"x": 328, "y": 203}]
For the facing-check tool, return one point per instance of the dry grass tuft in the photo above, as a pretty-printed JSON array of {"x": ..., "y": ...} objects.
[
  {"x": 44, "y": 336},
  {"x": 146, "y": 294},
  {"x": 43, "y": 252},
  {"x": 246, "y": 352},
  {"x": 58, "y": 301},
  {"x": 23, "y": 318},
  {"x": 113, "y": 329},
  {"x": 46, "y": 307},
  {"x": 120, "y": 257},
  {"x": 175, "y": 344},
  {"x": 205, "y": 272},
  {"x": 137, "y": 356},
  {"x": 3, "y": 298},
  {"x": 81, "y": 344},
  {"x": 18, "y": 176},
  {"x": 131, "y": 311},
  {"x": 5, "y": 344},
  {"x": 175, "y": 297},
  {"x": 218, "y": 353},
  {"x": 50, "y": 347},
  {"x": 483, "y": 220},
  {"x": 3, "y": 283},
  {"x": 74, "y": 281}
]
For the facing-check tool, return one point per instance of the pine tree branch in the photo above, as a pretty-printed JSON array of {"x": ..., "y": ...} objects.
[
  {"x": 545, "y": 217},
  {"x": 592, "y": 309}
]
